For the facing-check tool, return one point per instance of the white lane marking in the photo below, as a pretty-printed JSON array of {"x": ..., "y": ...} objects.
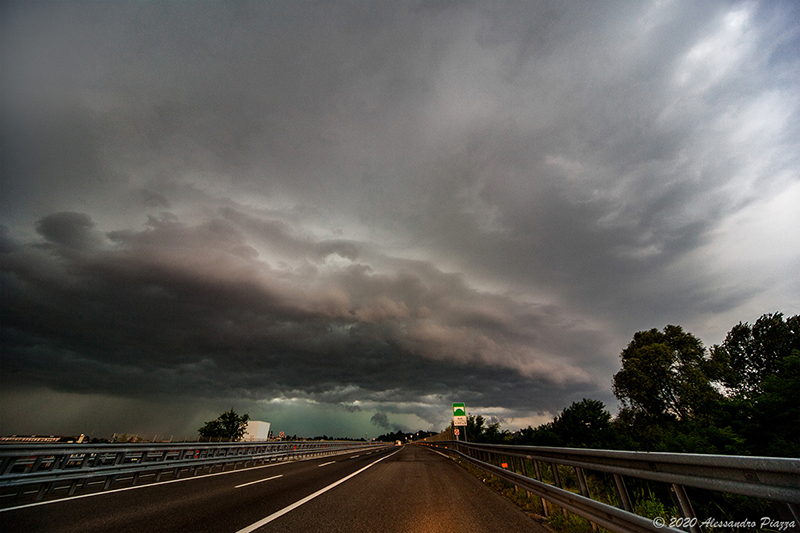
[
  {"x": 69, "y": 498},
  {"x": 440, "y": 453},
  {"x": 295, "y": 505},
  {"x": 258, "y": 481},
  {"x": 353, "y": 457},
  {"x": 60, "y": 500},
  {"x": 326, "y": 464}
]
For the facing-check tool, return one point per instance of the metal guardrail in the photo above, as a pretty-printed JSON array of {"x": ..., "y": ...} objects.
[
  {"x": 769, "y": 478},
  {"x": 49, "y": 466}
]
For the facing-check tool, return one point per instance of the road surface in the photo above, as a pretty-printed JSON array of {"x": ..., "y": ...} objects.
[{"x": 407, "y": 489}]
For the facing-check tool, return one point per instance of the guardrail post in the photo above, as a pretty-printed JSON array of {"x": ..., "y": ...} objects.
[
  {"x": 86, "y": 457},
  {"x": 514, "y": 469},
  {"x": 622, "y": 493},
  {"x": 109, "y": 480},
  {"x": 58, "y": 460},
  {"x": 35, "y": 466},
  {"x": 8, "y": 464},
  {"x": 43, "y": 489},
  {"x": 524, "y": 473},
  {"x": 539, "y": 478},
  {"x": 557, "y": 481},
  {"x": 584, "y": 490},
  {"x": 683, "y": 505},
  {"x": 97, "y": 458}
]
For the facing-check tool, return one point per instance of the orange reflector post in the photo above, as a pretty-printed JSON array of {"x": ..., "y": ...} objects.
[{"x": 504, "y": 465}]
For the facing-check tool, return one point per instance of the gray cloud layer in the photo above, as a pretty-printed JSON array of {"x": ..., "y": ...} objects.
[{"x": 386, "y": 207}]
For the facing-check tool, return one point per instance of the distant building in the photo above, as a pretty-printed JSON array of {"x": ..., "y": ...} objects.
[{"x": 256, "y": 431}]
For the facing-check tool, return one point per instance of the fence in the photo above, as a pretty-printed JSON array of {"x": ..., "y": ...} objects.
[
  {"x": 774, "y": 479},
  {"x": 48, "y": 466}
]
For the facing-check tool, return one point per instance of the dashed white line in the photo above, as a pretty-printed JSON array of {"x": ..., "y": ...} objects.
[
  {"x": 148, "y": 485},
  {"x": 137, "y": 487},
  {"x": 326, "y": 464},
  {"x": 295, "y": 505},
  {"x": 257, "y": 481}
]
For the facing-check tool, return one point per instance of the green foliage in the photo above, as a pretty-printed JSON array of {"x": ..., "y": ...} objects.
[
  {"x": 228, "y": 426},
  {"x": 477, "y": 431},
  {"x": 648, "y": 505},
  {"x": 584, "y": 424},
  {"x": 664, "y": 375},
  {"x": 544, "y": 435},
  {"x": 751, "y": 354},
  {"x": 777, "y": 410},
  {"x": 772, "y": 411},
  {"x": 571, "y": 523},
  {"x": 758, "y": 367}
]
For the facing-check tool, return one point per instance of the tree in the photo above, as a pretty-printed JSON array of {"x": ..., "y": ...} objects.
[
  {"x": 543, "y": 435},
  {"x": 476, "y": 431},
  {"x": 584, "y": 424},
  {"x": 758, "y": 367},
  {"x": 776, "y": 411},
  {"x": 665, "y": 375},
  {"x": 228, "y": 426},
  {"x": 749, "y": 354}
]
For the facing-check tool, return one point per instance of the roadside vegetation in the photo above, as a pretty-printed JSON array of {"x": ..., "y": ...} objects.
[
  {"x": 404, "y": 436},
  {"x": 228, "y": 426},
  {"x": 741, "y": 397}
]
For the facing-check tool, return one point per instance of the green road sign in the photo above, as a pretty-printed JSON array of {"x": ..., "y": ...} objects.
[{"x": 459, "y": 414}]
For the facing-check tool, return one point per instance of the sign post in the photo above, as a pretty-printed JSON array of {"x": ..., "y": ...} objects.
[{"x": 460, "y": 418}]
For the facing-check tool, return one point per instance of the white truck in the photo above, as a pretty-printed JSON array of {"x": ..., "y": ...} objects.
[{"x": 256, "y": 431}]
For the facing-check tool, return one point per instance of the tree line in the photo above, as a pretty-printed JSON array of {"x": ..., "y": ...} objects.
[
  {"x": 405, "y": 436},
  {"x": 741, "y": 397}
]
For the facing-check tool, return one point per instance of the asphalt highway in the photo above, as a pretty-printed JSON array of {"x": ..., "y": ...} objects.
[{"x": 406, "y": 489}]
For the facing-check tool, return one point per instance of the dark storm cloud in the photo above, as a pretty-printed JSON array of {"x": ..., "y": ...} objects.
[
  {"x": 177, "y": 307},
  {"x": 73, "y": 230},
  {"x": 385, "y": 207},
  {"x": 380, "y": 420}
]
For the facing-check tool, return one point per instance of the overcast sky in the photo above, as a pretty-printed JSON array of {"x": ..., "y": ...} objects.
[{"x": 340, "y": 217}]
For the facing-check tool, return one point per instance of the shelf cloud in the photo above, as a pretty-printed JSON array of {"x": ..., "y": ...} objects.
[{"x": 341, "y": 217}]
